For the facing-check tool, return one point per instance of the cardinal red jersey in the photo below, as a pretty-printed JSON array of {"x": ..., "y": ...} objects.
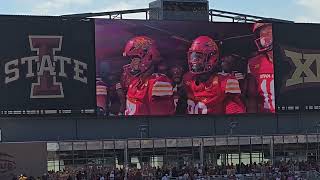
[
  {"x": 220, "y": 94},
  {"x": 152, "y": 96},
  {"x": 262, "y": 69}
]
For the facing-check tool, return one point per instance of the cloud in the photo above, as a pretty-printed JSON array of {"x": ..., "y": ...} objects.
[
  {"x": 62, "y": 7},
  {"x": 55, "y": 7},
  {"x": 126, "y": 5},
  {"x": 312, "y": 5},
  {"x": 309, "y": 9},
  {"x": 307, "y": 19}
]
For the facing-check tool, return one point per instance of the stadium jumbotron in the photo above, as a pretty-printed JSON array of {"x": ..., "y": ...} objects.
[{"x": 188, "y": 92}]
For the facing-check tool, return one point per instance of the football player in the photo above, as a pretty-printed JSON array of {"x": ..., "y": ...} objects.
[
  {"x": 108, "y": 97},
  {"x": 162, "y": 68},
  {"x": 208, "y": 91},
  {"x": 101, "y": 95},
  {"x": 261, "y": 96},
  {"x": 114, "y": 99},
  {"x": 123, "y": 85},
  {"x": 126, "y": 77},
  {"x": 148, "y": 93},
  {"x": 236, "y": 65},
  {"x": 176, "y": 74}
]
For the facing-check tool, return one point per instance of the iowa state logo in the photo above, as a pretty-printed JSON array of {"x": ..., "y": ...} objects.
[{"x": 46, "y": 65}]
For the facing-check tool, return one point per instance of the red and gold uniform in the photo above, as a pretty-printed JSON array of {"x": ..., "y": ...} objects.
[
  {"x": 152, "y": 96},
  {"x": 101, "y": 94},
  {"x": 261, "y": 68},
  {"x": 148, "y": 93},
  {"x": 220, "y": 94},
  {"x": 209, "y": 92}
]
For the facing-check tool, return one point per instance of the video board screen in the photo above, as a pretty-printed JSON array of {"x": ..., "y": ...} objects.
[{"x": 164, "y": 68}]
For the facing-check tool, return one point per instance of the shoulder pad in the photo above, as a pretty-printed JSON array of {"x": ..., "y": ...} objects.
[
  {"x": 223, "y": 73},
  {"x": 101, "y": 90},
  {"x": 232, "y": 86},
  {"x": 158, "y": 75},
  {"x": 162, "y": 88}
]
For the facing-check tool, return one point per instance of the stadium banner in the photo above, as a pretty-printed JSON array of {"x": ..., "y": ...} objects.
[
  {"x": 162, "y": 68},
  {"x": 47, "y": 65},
  {"x": 297, "y": 67}
]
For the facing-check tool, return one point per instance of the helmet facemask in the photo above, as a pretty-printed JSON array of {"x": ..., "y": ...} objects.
[
  {"x": 135, "y": 65},
  {"x": 264, "y": 42},
  {"x": 201, "y": 62}
]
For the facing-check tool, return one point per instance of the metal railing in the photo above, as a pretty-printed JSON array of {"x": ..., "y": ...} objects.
[
  {"x": 146, "y": 143},
  {"x": 239, "y": 17},
  {"x": 235, "y": 17}
]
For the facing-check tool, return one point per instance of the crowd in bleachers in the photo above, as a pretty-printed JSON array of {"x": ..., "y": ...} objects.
[{"x": 279, "y": 170}]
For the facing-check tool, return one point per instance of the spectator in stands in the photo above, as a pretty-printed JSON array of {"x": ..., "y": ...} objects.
[
  {"x": 112, "y": 176},
  {"x": 101, "y": 177},
  {"x": 165, "y": 177}
]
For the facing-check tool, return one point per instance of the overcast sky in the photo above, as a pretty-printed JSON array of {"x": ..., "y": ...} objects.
[{"x": 296, "y": 10}]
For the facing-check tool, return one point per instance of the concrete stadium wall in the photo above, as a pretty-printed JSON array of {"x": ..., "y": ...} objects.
[
  {"x": 63, "y": 128},
  {"x": 22, "y": 158}
]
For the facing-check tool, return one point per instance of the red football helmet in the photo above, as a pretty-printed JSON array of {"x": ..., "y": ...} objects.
[
  {"x": 203, "y": 55},
  {"x": 263, "y": 32},
  {"x": 142, "y": 52}
]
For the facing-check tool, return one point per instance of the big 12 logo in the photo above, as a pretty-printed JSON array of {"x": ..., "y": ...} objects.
[{"x": 301, "y": 63}]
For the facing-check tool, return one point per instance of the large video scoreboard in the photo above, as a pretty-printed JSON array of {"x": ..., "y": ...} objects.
[{"x": 53, "y": 65}]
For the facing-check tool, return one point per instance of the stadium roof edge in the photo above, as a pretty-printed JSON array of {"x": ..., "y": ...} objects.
[
  {"x": 212, "y": 12},
  {"x": 245, "y": 17},
  {"x": 85, "y": 15}
]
